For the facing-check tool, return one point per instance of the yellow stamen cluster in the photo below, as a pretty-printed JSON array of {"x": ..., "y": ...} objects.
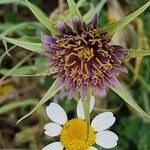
[
  {"x": 74, "y": 135},
  {"x": 82, "y": 51}
]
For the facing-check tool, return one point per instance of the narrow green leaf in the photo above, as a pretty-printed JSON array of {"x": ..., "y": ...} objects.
[
  {"x": 55, "y": 87},
  {"x": 49, "y": 24},
  {"x": 124, "y": 94},
  {"x": 132, "y": 53},
  {"x": 74, "y": 8},
  {"x": 117, "y": 26},
  {"x": 35, "y": 47},
  {"x": 80, "y": 2},
  {"x": 13, "y": 105},
  {"x": 89, "y": 15}
]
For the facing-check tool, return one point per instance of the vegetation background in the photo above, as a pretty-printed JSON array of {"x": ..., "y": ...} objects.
[{"x": 19, "y": 93}]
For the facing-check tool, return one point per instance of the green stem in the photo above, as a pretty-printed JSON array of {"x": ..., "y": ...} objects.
[{"x": 86, "y": 107}]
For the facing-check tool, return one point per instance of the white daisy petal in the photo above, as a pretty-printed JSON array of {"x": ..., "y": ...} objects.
[
  {"x": 54, "y": 146},
  {"x": 103, "y": 121},
  {"x": 56, "y": 113},
  {"x": 52, "y": 129},
  {"x": 106, "y": 139},
  {"x": 92, "y": 148},
  {"x": 80, "y": 111},
  {"x": 92, "y": 103}
]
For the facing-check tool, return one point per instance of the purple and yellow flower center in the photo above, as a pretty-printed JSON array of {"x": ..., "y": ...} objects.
[{"x": 81, "y": 57}]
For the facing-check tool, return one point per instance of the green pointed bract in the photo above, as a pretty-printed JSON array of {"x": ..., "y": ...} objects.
[
  {"x": 49, "y": 24},
  {"x": 117, "y": 26},
  {"x": 55, "y": 87},
  {"x": 133, "y": 53},
  {"x": 26, "y": 45},
  {"x": 74, "y": 9},
  {"x": 94, "y": 10},
  {"x": 125, "y": 95}
]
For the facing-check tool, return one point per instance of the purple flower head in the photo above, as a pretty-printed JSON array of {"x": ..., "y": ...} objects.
[{"x": 83, "y": 58}]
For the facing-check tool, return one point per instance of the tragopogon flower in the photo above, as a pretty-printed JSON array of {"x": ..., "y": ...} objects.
[
  {"x": 81, "y": 57},
  {"x": 73, "y": 133}
]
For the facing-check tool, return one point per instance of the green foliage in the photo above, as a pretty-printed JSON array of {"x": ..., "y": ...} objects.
[
  {"x": 11, "y": 106},
  {"x": 50, "y": 25},
  {"x": 117, "y": 26},
  {"x": 134, "y": 133},
  {"x": 125, "y": 95},
  {"x": 35, "y": 47},
  {"x": 21, "y": 2},
  {"x": 132, "y": 53},
  {"x": 94, "y": 10},
  {"x": 73, "y": 8}
]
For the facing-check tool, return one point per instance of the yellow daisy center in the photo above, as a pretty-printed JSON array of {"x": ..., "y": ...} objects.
[{"x": 74, "y": 135}]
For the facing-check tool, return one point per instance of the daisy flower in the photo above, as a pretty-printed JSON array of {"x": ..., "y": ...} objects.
[{"x": 73, "y": 133}]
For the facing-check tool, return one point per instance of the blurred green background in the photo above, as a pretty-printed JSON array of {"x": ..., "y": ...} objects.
[{"x": 18, "y": 95}]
